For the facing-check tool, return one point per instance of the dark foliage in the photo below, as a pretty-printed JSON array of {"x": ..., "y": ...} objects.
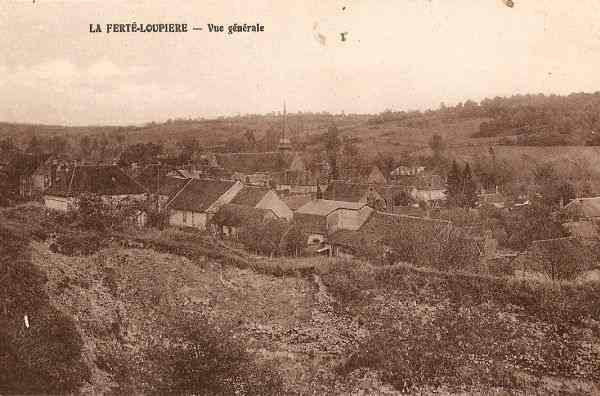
[
  {"x": 46, "y": 356},
  {"x": 205, "y": 358},
  {"x": 78, "y": 244}
]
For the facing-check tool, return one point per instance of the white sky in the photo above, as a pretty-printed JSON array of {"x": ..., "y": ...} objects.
[{"x": 400, "y": 54}]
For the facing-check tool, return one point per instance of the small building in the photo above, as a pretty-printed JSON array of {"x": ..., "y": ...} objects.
[
  {"x": 231, "y": 217},
  {"x": 404, "y": 170},
  {"x": 431, "y": 190},
  {"x": 374, "y": 239},
  {"x": 372, "y": 175},
  {"x": 583, "y": 209},
  {"x": 321, "y": 217},
  {"x": 106, "y": 181},
  {"x": 199, "y": 200},
  {"x": 356, "y": 193},
  {"x": 263, "y": 198}
]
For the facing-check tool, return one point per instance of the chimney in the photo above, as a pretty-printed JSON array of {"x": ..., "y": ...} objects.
[{"x": 319, "y": 192}]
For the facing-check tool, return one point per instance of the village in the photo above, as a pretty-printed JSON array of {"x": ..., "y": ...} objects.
[
  {"x": 327, "y": 253},
  {"x": 299, "y": 198},
  {"x": 356, "y": 213}
]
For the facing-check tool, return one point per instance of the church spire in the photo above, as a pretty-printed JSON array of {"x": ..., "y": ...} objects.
[
  {"x": 284, "y": 122},
  {"x": 284, "y": 143}
]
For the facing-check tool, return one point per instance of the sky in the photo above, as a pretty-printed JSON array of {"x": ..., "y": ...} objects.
[{"x": 398, "y": 54}]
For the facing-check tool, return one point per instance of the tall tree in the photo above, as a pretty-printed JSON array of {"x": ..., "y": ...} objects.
[
  {"x": 35, "y": 145},
  {"x": 454, "y": 186},
  {"x": 332, "y": 146},
  {"x": 469, "y": 188}
]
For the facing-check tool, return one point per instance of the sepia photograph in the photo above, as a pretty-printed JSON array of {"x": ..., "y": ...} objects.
[{"x": 334, "y": 197}]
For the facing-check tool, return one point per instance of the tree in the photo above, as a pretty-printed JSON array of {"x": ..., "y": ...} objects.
[
  {"x": 34, "y": 146},
  {"x": 437, "y": 145},
  {"x": 454, "y": 197},
  {"x": 332, "y": 146},
  {"x": 386, "y": 163},
  {"x": 532, "y": 223},
  {"x": 141, "y": 153},
  {"x": 469, "y": 188},
  {"x": 188, "y": 147},
  {"x": 85, "y": 145}
]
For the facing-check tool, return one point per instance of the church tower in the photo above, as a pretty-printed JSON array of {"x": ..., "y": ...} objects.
[{"x": 285, "y": 145}]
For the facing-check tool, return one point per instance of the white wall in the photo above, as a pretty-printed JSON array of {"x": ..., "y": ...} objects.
[
  {"x": 54, "y": 202},
  {"x": 347, "y": 219},
  {"x": 272, "y": 201},
  {"x": 192, "y": 219}
]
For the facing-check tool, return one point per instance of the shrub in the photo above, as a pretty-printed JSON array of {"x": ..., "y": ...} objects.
[
  {"x": 81, "y": 244},
  {"x": 46, "y": 357},
  {"x": 204, "y": 358},
  {"x": 264, "y": 237}
]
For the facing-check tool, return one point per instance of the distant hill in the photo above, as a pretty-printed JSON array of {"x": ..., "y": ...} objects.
[{"x": 519, "y": 120}]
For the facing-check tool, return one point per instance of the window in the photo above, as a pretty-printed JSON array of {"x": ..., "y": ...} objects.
[{"x": 184, "y": 217}]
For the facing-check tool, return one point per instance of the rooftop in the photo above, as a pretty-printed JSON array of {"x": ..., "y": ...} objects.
[
  {"x": 322, "y": 207},
  {"x": 199, "y": 194},
  {"x": 97, "y": 179},
  {"x": 250, "y": 196}
]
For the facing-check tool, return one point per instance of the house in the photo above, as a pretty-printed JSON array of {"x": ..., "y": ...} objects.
[
  {"x": 263, "y": 198},
  {"x": 495, "y": 199},
  {"x": 404, "y": 170},
  {"x": 430, "y": 189},
  {"x": 583, "y": 209},
  {"x": 163, "y": 182},
  {"x": 21, "y": 173},
  {"x": 275, "y": 168},
  {"x": 372, "y": 175},
  {"x": 296, "y": 201},
  {"x": 197, "y": 202},
  {"x": 584, "y": 230},
  {"x": 374, "y": 238},
  {"x": 231, "y": 217},
  {"x": 107, "y": 181},
  {"x": 321, "y": 217},
  {"x": 355, "y": 192}
]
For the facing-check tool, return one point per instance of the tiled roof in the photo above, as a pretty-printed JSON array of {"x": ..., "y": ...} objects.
[
  {"x": 236, "y": 215},
  {"x": 97, "y": 179},
  {"x": 322, "y": 207},
  {"x": 584, "y": 207},
  {"x": 344, "y": 191},
  {"x": 250, "y": 196},
  {"x": 296, "y": 201},
  {"x": 24, "y": 164},
  {"x": 171, "y": 186},
  {"x": 254, "y": 162},
  {"x": 380, "y": 227},
  {"x": 154, "y": 176},
  {"x": 198, "y": 195}
]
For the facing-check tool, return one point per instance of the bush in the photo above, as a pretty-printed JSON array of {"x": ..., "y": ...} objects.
[
  {"x": 204, "y": 358},
  {"x": 46, "y": 357},
  {"x": 81, "y": 244}
]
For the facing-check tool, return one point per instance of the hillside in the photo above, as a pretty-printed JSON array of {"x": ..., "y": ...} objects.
[
  {"x": 152, "y": 322},
  {"x": 520, "y": 120}
]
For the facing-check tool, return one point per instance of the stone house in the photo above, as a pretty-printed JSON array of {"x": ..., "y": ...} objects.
[
  {"x": 198, "y": 201},
  {"x": 321, "y": 217},
  {"x": 107, "y": 181}
]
